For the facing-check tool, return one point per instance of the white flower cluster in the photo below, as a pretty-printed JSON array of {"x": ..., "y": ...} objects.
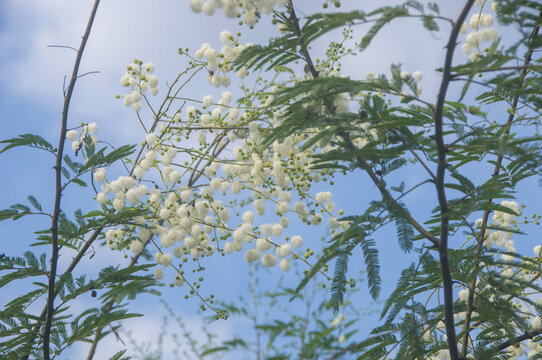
[
  {"x": 503, "y": 239},
  {"x": 219, "y": 64},
  {"x": 482, "y": 31},
  {"x": 193, "y": 222},
  {"x": 250, "y": 9},
  {"x": 140, "y": 79},
  {"x": 76, "y": 138}
]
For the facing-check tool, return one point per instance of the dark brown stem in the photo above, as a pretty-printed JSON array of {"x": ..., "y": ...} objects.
[
  {"x": 526, "y": 336},
  {"x": 496, "y": 170},
  {"x": 306, "y": 55},
  {"x": 440, "y": 188},
  {"x": 58, "y": 186}
]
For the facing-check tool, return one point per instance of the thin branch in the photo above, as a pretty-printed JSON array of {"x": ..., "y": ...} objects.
[
  {"x": 439, "y": 184},
  {"x": 58, "y": 185},
  {"x": 527, "y": 335},
  {"x": 89, "y": 73},
  {"x": 63, "y": 47}
]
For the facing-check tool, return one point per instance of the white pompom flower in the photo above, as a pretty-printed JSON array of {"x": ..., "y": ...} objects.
[
  {"x": 99, "y": 175},
  {"x": 285, "y": 265},
  {"x": 71, "y": 135},
  {"x": 269, "y": 260},
  {"x": 252, "y": 255},
  {"x": 158, "y": 273}
]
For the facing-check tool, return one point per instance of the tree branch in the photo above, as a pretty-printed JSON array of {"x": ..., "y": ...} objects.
[
  {"x": 527, "y": 335},
  {"x": 439, "y": 184},
  {"x": 58, "y": 185}
]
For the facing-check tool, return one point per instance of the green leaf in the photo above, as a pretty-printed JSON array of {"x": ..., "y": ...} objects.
[
  {"x": 29, "y": 140},
  {"x": 7, "y": 214},
  {"x": 99, "y": 159},
  {"x": 370, "y": 254},
  {"x": 388, "y": 14},
  {"x": 34, "y": 202},
  {"x": 338, "y": 285},
  {"x": 119, "y": 356},
  {"x": 405, "y": 234},
  {"x": 429, "y": 23},
  {"x": 79, "y": 182}
]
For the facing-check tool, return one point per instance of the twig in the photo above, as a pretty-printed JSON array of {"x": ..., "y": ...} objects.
[
  {"x": 63, "y": 47},
  {"x": 89, "y": 73}
]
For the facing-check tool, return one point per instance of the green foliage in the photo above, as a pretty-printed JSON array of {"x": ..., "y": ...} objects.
[{"x": 28, "y": 140}]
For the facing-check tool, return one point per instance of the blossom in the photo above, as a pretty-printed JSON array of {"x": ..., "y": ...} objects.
[
  {"x": 242, "y": 72},
  {"x": 71, "y": 135},
  {"x": 487, "y": 20},
  {"x": 99, "y": 175},
  {"x": 165, "y": 259},
  {"x": 158, "y": 273},
  {"x": 296, "y": 241},
  {"x": 248, "y": 217},
  {"x": 276, "y": 230},
  {"x": 338, "y": 320},
  {"x": 473, "y": 39},
  {"x": 208, "y": 8},
  {"x": 229, "y": 249},
  {"x": 250, "y": 18},
  {"x": 226, "y": 37},
  {"x": 136, "y": 246},
  {"x": 463, "y": 295},
  {"x": 285, "y": 265},
  {"x": 263, "y": 244},
  {"x": 475, "y": 20},
  {"x": 207, "y": 100},
  {"x": 92, "y": 128},
  {"x": 269, "y": 260},
  {"x": 417, "y": 75},
  {"x": 101, "y": 198},
  {"x": 284, "y": 250},
  {"x": 464, "y": 28},
  {"x": 536, "y": 322},
  {"x": 252, "y": 255},
  {"x": 195, "y": 6}
]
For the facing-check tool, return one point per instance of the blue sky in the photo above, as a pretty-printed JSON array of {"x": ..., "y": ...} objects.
[{"x": 31, "y": 100}]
